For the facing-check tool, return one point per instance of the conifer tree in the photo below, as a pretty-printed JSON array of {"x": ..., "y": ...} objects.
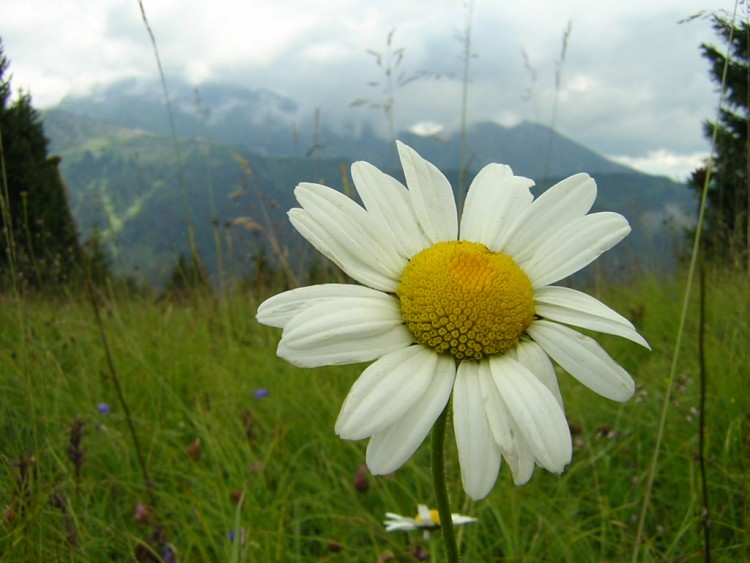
[
  {"x": 37, "y": 235},
  {"x": 728, "y": 204}
]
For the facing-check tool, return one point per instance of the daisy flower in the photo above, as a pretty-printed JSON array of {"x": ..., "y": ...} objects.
[
  {"x": 425, "y": 519},
  {"x": 464, "y": 308}
]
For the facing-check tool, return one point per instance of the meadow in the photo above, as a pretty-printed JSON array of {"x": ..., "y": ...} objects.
[{"x": 236, "y": 458}]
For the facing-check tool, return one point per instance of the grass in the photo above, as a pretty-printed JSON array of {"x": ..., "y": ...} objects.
[{"x": 270, "y": 472}]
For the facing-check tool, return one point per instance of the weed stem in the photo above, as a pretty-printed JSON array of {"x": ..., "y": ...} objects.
[
  {"x": 705, "y": 512},
  {"x": 113, "y": 374}
]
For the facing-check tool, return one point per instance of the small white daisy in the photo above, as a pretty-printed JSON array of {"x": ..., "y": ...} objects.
[
  {"x": 465, "y": 308},
  {"x": 425, "y": 519}
]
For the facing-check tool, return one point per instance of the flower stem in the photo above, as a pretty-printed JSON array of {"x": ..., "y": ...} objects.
[{"x": 441, "y": 490}]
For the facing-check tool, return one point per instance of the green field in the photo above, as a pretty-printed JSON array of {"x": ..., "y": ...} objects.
[{"x": 231, "y": 474}]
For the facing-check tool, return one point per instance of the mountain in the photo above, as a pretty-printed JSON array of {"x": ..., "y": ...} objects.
[
  {"x": 231, "y": 173},
  {"x": 258, "y": 119},
  {"x": 271, "y": 124}
]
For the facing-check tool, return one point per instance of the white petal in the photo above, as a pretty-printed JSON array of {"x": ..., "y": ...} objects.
[
  {"x": 348, "y": 219},
  {"x": 583, "y": 358},
  {"x": 398, "y": 523},
  {"x": 569, "y": 306},
  {"x": 386, "y": 390},
  {"x": 344, "y": 331},
  {"x": 494, "y": 202},
  {"x": 535, "y": 410},
  {"x": 346, "y": 255},
  {"x": 478, "y": 453},
  {"x": 279, "y": 309},
  {"x": 424, "y": 514},
  {"x": 575, "y": 246},
  {"x": 531, "y": 356},
  {"x": 505, "y": 431},
  {"x": 346, "y": 234},
  {"x": 498, "y": 416},
  {"x": 387, "y": 200},
  {"x": 562, "y": 203},
  {"x": 460, "y": 519},
  {"x": 389, "y": 449},
  {"x": 520, "y": 459},
  {"x": 431, "y": 196}
]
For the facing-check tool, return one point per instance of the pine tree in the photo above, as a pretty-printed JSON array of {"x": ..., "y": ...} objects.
[
  {"x": 37, "y": 235},
  {"x": 728, "y": 204}
]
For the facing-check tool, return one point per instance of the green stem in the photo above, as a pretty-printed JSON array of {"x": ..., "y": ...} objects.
[{"x": 441, "y": 490}]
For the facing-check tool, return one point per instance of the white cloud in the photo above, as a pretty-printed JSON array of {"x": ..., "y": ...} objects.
[
  {"x": 662, "y": 162},
  {"x": 508, "y": 119},
  {"x": 633, "y": 81},
  {"x": 426, "y": 128}
]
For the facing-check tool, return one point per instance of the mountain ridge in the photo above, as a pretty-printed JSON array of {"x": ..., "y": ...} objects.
[{"x": 269, "y": 123}]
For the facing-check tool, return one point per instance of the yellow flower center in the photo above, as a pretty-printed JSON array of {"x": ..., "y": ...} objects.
[
  {"x": 433, "y": 515},
  {"x": 461, "y": 298}
]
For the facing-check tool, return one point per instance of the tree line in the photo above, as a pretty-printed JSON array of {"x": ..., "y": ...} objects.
[
  {"x": 726, "y": 171},
  {"x": 38, "y": 240}
]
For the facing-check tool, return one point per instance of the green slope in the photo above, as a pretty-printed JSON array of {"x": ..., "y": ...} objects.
[{"x": 132, "y": 186}]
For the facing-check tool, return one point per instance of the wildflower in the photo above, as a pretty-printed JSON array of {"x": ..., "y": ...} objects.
[
  {"x": 75, "y": 449},
  {"x": 242, "y": 535},
  {"x": 9, "y": 515},
  {"x": 169, "y": 554},
  {"x": 425, "y": 519},
  {"x": 194, "y": 450},
  {"x": 249, "y": 423},
  {"x": 464, "y": 309},
  {"x": 261, "y": 393},
  {"x": 361, "y": 482},
  {"x": 334, "y": 546},
  {"x": 103, "y": 408},
  {"x": 606, "y": 431},
  {"x": 142, "y": 513},
  {"x": 236, "y": 496},
  {"x": 419, "y": 552}
]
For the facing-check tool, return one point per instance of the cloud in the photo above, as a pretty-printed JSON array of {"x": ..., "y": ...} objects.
[
  {"x": 632, "y": 82},
  {"x": 664, "y": 163},
  {"x": 426, "y": 128}
]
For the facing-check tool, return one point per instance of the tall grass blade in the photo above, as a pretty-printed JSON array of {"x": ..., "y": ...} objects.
[{"x": 175, "y": 141}]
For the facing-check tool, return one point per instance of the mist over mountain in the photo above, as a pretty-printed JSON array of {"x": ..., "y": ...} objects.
[
  {"x": 268, "y": 123},
  {"x": 127, "y": 180}
]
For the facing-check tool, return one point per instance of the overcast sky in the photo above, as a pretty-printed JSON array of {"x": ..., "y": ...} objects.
[{"x": 633, "y": 85}]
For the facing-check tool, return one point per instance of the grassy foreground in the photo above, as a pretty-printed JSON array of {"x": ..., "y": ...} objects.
[{"x": 242, "y": 462}]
